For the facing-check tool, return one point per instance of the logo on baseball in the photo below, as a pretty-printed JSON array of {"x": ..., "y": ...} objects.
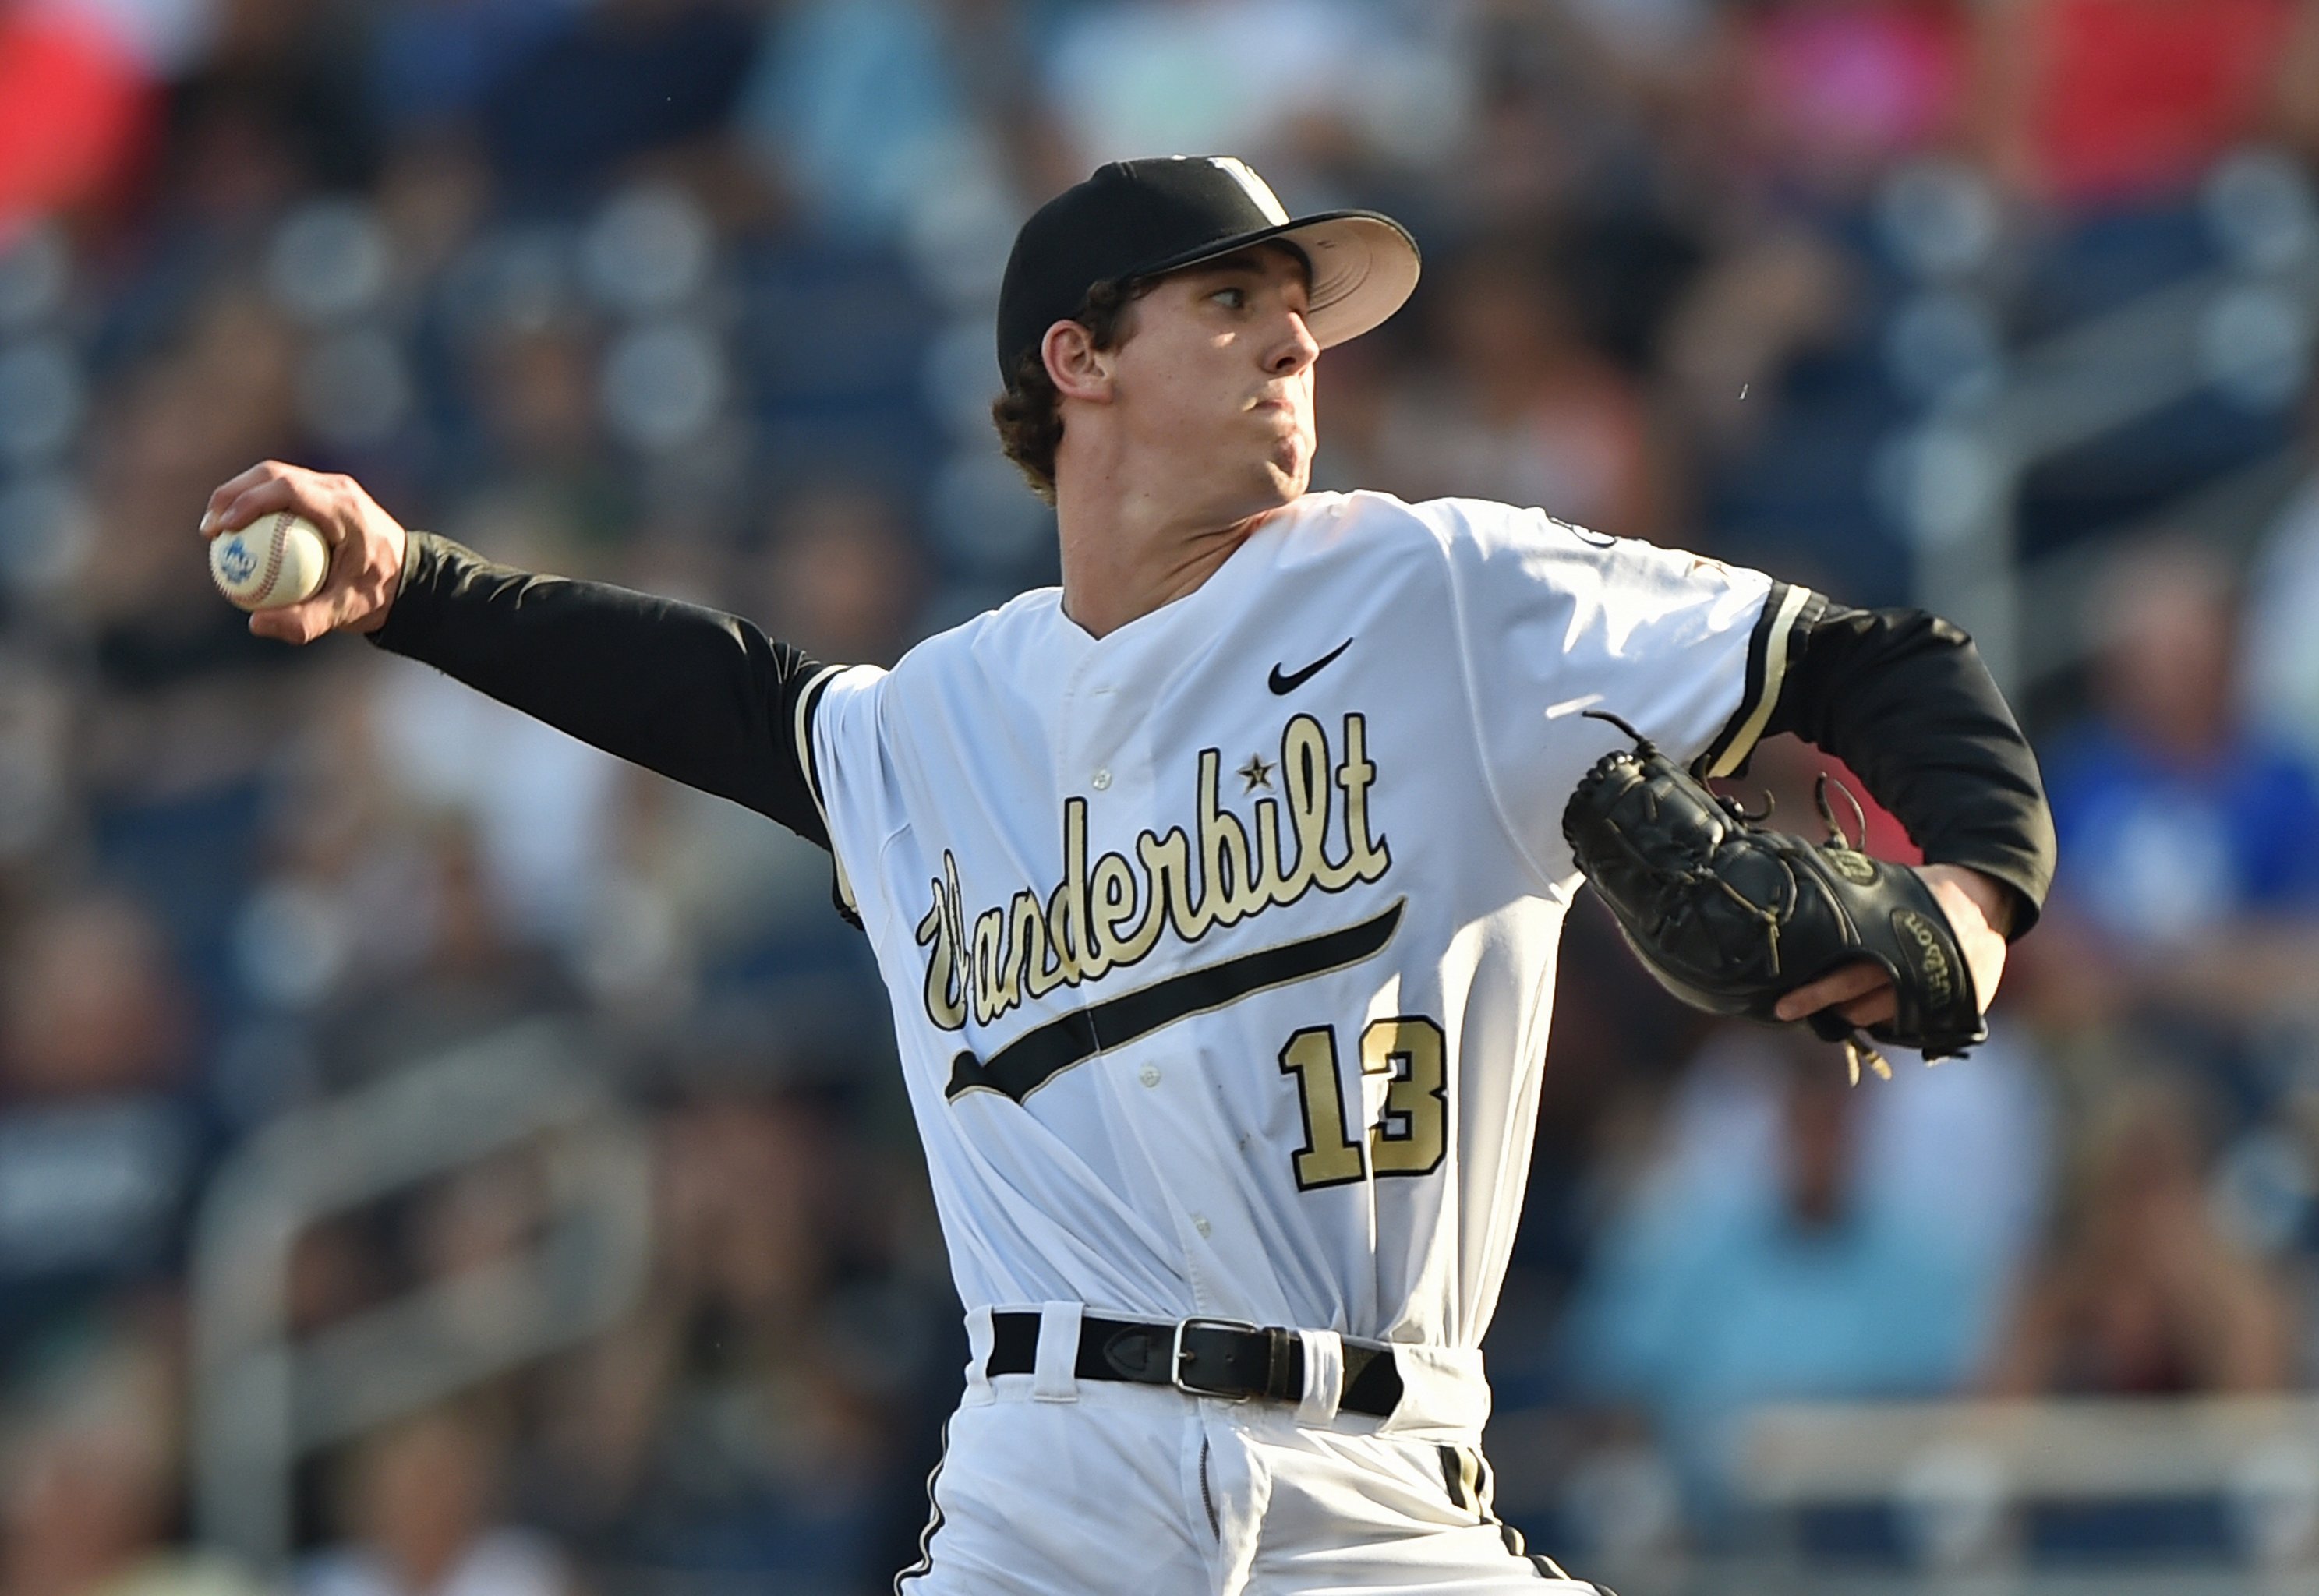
[{"x": 280, "y": 560}]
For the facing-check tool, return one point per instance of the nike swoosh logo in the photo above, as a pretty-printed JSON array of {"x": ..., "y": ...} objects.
[
  {"x": 1289, "y": 684},
  {"x": 1036, "y": 1056}
]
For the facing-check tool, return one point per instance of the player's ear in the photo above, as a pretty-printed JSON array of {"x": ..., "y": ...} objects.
[{"x": 1078, "y": 369}]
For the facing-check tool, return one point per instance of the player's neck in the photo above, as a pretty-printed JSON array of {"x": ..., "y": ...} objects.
[{"x": 1124, "y": 555}]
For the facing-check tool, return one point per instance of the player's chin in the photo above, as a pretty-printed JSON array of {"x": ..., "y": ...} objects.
[
  {"x": 1282, "y": 480},
  {"x": 1289, "y": 464}
]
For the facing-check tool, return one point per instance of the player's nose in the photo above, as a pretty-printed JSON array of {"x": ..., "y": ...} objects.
[{"x": 1295, "y": 349}]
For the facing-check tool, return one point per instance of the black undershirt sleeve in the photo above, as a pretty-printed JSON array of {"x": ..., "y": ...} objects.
[
  {"x": 700, "y": 696},
  {"x": 1902, "y": 698}
]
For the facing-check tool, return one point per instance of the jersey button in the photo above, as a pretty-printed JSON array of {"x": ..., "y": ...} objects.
[
  {"x": 1148, "y": 1075},
  {"x": 1100, "y": 780},
  {"x": 1200, "y": 1223}
]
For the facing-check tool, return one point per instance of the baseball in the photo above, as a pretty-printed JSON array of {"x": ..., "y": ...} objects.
[{"x": 276, "y": 559}]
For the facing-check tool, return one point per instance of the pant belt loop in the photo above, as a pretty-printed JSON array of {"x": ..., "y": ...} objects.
[
  {"x": 1054, "y": 1372},
  {"x": 1324, "y": 1375},
  {"x": 979, "y": 1337}
]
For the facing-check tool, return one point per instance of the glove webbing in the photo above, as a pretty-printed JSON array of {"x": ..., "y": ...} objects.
[{"x": 1663, "y": 877}]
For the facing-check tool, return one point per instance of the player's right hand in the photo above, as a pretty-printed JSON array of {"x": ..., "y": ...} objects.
[{"x": 367, "y": 547}]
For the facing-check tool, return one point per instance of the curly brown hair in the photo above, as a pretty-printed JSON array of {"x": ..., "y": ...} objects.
[{"x": 1029, "y": 415}]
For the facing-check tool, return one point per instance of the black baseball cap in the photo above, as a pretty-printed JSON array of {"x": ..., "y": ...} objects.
[{"x": 1139, "y": 219}]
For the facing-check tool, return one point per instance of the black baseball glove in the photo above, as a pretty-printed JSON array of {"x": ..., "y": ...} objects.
[{"x": 1731, "y": 916}]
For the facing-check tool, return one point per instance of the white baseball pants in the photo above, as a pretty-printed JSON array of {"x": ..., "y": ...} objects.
[{"x": 1054, "y": 1486}]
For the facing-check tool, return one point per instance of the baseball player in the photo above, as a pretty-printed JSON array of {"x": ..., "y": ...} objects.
[{"x": 1217, "y": 892}]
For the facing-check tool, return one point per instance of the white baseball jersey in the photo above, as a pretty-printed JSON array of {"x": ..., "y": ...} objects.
[{"x": 1222, "y": 948}]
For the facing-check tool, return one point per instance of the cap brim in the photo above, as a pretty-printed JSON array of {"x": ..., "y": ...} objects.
[{"x": 1364, "y": 267}]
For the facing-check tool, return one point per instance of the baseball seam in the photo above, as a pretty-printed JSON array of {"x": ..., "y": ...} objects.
[{"x": 274, "y": 546}]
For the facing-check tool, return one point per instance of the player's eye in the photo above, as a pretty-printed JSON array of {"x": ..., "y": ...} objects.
[{"x": 1232, "y": 299}]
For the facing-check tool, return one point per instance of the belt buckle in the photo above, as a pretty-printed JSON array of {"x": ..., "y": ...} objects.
[{"x": 1176, "y": 1355}]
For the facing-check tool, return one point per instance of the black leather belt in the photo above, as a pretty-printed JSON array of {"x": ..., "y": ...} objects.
[{"x": 1204, "y": 1356}]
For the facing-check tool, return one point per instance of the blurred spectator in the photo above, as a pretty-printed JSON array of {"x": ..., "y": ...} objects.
[
  {"x": 169, "y": 432},
  {"x": 1795, "y": 1270},
  {"x": 537, "y": 454},
  {"x": 93, "y": 1005},
  {"x": 78, "y": 108},
  {"x": 2298, "y": 76},
  {"x": 474, "y": 973},
  {"x": 1560, "y": 95},
  {"x": 100, "y": 1146},
  {"x": 614, "y": 82},
  {"x": 1963, "y": 1146},
  {"x": 434, "y": 63},
  {"x": 740, "y": 1420},
  {"x": 432, "y": 190},
  {"x": 887, "y": 114},
  {"x": 2279, "y": 662},
  {"x": 335, "y": 896},
  {"x": 842, "y": 579},
  {"x": 2192, "y": 840},
  {"x": 541, "y": 804},
  {"x": 711, "y": 904},
  {"x": 409, "y": 894},
  {"x": 1663, "y": 41},
  {"x": 38, "y": 804},
  {"x": 1525, "y": 410},
  {"x": 2142, "y": 1294},
  {"x": 186, "y": 706},
  {"x": 277, "y": 94},
  {"x": 2096, "y": 104},
  {"x": 1283, "y": 84},
  {"x": 1825, "y": 95},
  {"x": 420, "y": 1510},
  {"x": 88, "y": 1488},
  {"x": 1761, "y": 306}
]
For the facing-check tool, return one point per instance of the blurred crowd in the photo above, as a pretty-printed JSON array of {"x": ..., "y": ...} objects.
[{"x": 696, "y": 295}]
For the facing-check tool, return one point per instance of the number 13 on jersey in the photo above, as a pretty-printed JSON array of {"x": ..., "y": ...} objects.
[{"x": 1408, "y": 1138}]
